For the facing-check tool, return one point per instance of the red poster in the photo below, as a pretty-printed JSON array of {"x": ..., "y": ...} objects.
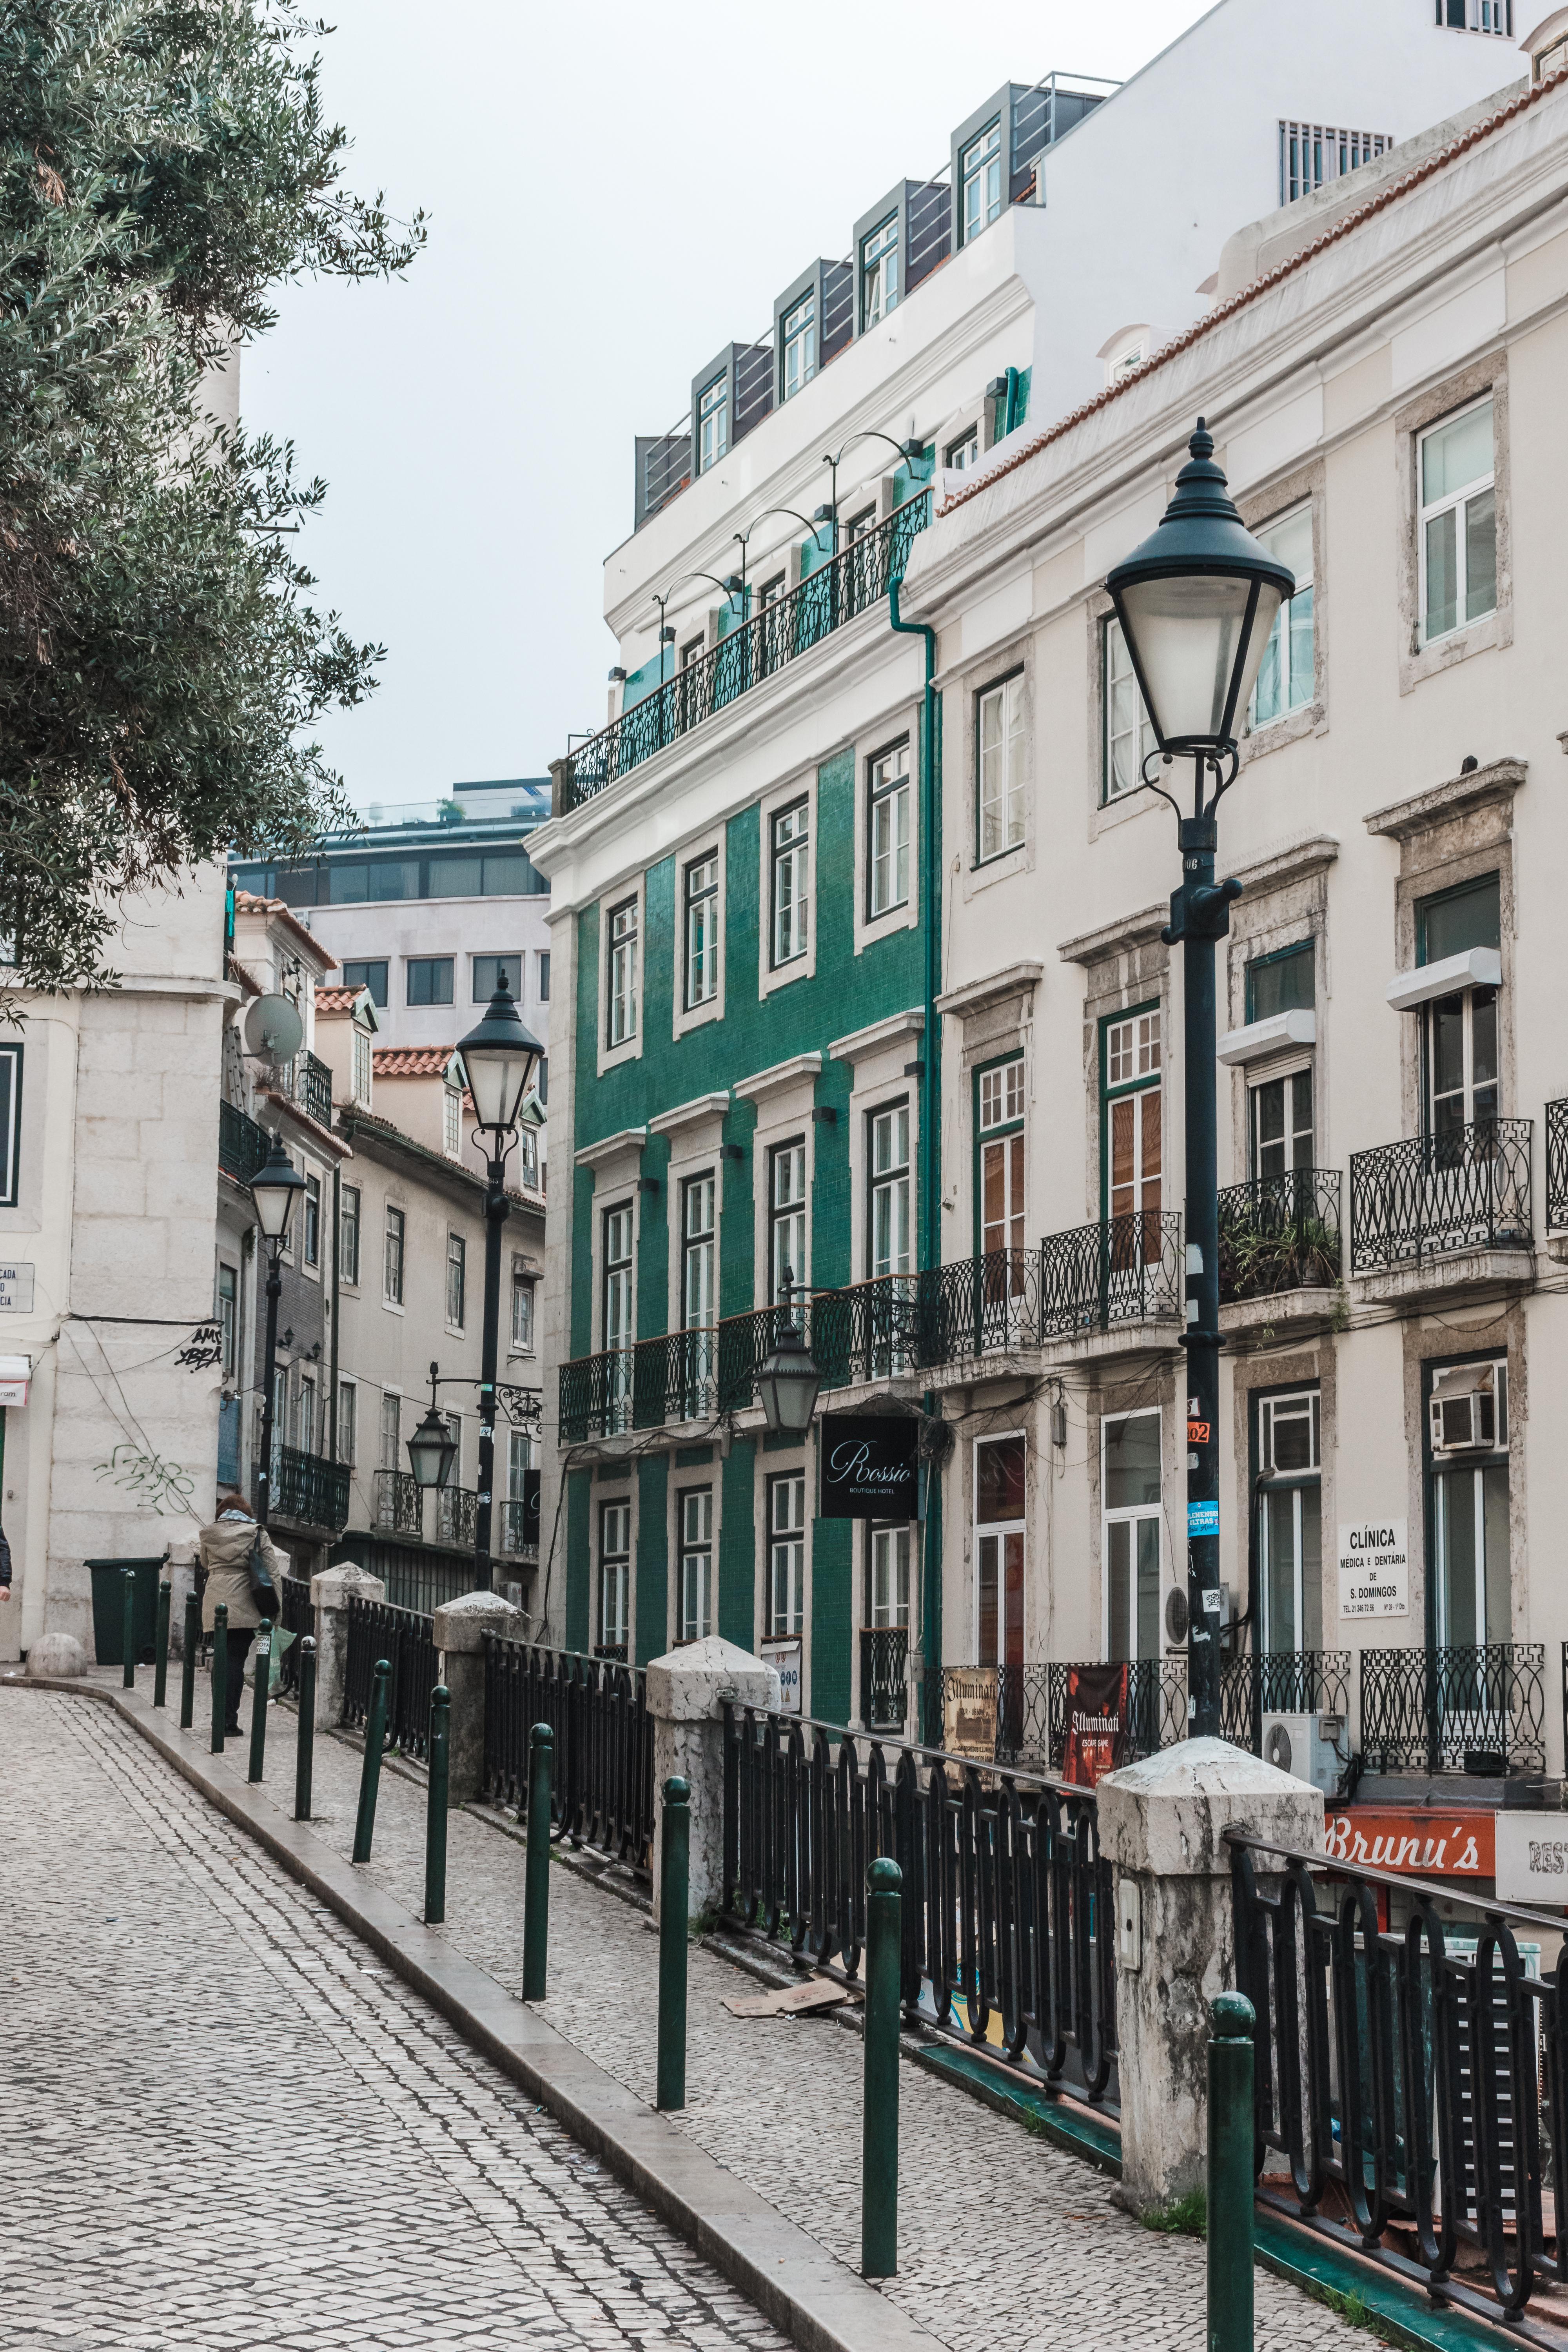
[{"x": 1097, "y": 1722}]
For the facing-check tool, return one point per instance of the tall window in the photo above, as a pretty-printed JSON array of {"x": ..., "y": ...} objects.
[
  {"x": 617, "y": 1323},
  {"x": 623, "y": 973},
  {"x": 787, "y": 1216},
  {"x": 10, "y": 1123},
  {"x": 879, "y": 272},
  {"x": 391, "y": 1415},
  {"x": 1133, "y": 1154},
  {"x": 456, "y": 1279},
  {"x": 1130, "y": 1491},
  {"x": 544, "y": 976},
  {"x": 1289, "y": 1522},
  {"x": 1129, "y": 737},
  {"x": 228, "y": 1319},
  {"x": 786, "y": 1555},
  {"x": 1285, "y": 679},
  {"x": 312, "y": 1244},
  {"x": 891, "y": 1223},
  {"x": 348, "y": 1233},
  {"x": 696, "y": 1508},
  {"x": 488, "y": 973},
  {"x": 712, "y": 422},
  {"x": 305, "y": 1423},
  {"x": 999, "y": 1550},
  {"x": 1001, "y": 762},
  {"x": 888, "y": 847},
  {"x": 889, "y": 1557},
  {"x": 1477, "y": 16},
  {"x": 392, "y": 1258},
  {"x": 1312, "y": 153},
  {"x": 1457, "y": 521},
  {"x": 699, "y": 1297},
  {"x": 799, "y": 363},
  {"x": 1468, "y": 1512},
  {"x": 452, "y": 1121},
  {"x": 701, "y": 959},
  {"x": 980, "y": 174},
  {"x": 1279, "y": 1106},
  {"x": 791, "y": 881},
  {"x": 1460, "y": 1032},
  {"x": 1001, "y": 1094},
  {"x": 370, "y": 974},
  {"x": 615, "y": 1578},
  {"x": 521, "y": 1307},
  {"x": 347, "y": 1422},
  {"x": 429, "y": 980}
]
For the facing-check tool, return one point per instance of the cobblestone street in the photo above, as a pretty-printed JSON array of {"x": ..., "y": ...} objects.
[{"x": 226, "y": 2125}]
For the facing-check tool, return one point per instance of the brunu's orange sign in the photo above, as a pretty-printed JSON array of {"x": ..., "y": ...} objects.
[{"x": 1424, "y": 1844}]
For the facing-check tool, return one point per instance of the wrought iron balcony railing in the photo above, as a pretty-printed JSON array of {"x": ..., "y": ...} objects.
[
  {"x": 1478, "y": 1708},
  {"x": 884, "y": 1677},
  {"x": 1280, "y": 1233},
  {"x": 1124, "y": 1270},
  {"x": 311, "y": 1086},
  {"x": 518, "y": 1529},
  {"x": 1466, "y": 1188},
  {"x": 308, "y": 1489},
  {"x": 456, "y": 1511},
  {"x": 242, "y": 1145},
  {"x": 399, "y": 1503},
  {"x": 1556, "y": 1167},
  {"x": 839, "y": 589}
]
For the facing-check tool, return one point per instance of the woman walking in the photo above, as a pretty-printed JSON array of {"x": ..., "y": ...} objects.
[{"x": 226, "y": 1550}]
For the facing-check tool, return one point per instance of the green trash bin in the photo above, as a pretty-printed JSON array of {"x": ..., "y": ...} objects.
[{"x": 108, "y": 1609}]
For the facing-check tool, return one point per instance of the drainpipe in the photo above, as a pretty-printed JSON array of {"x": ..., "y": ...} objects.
[
  {"x": 931, "y": 1128},
  {"x": 337, "y": 1211},
  {"x": 1011, "y": 414}
]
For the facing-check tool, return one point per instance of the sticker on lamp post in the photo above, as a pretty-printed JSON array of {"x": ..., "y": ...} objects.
[
  {"x": 1202, "y": 1519},
  {"x": 1374, "y": 1568}
]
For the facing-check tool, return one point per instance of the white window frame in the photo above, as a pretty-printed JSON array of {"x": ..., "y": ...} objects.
[
  {"x": 1456, "y": 503},
  {"x": 963, "y": 452},
  {"x": 999, "y": 1116},
  {"x": 890, "y": 1194},
  {"x": 712, "y": 422},
  {"x": 1127, "y": 724},
  {"x": 228, "y": 1318},
  {"x": 798, "y": 336},
  {"x": 394, "y": 1252},
  {"x": 614, "y": 1575},
  {"x": 1296, "y": 692},
  {"x": 1132, "y": 1516},
  {"x": 789, "y": 884},
  {"x": 1001, "y": 805},
  {"x": 1000, "y": 1529},
  {"x": 1287, "y": 1404},
  {"x": 311, "y": 1220},
  {"x": 879, "y": 272},
  {"x": 694, "y": 1528},
  {"x": 522, "y": 1308},
  {"x": 789, "y": 1215},
  {"x": 457, "y": 1281},
  {"x": 887, "y": 830},
  {"x": 362, "y": 1066},
  {"x": 699, "y": 932},
  {"x": 786, "y": 1555},
  {"x": 347, "y": 1422},
  {"x": 1287, "y": 1076},
  {"x": 980, "y": 191},
  {"x": 621, "y": 960},
  {"x": 1498, "y": 1456},
  {"x": 452, "y": 1121},
  {"x": 888, "y": 1550}
]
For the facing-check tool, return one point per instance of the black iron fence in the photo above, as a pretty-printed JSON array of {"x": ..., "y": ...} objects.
[
  {"x": 597, "y": 1711},
  {"x": 399, "y": 1503},
  {"x": 296, "y": 1615},
  {"x": 885, "y": 1676},
  {"x": 242, "y": 1145},
  {"x": 1280, "y": 1233},
  {"x": 1556, "y": 1166},
  {"x": 308, "y": 1489},
  {"x": 1410, "y": 2080},
  {"x": 1465, "y": 1187},
  {"x": 402, "y": 1637},
  {"x": 1478, "y": 1708},
  {"x": 840, "y": 589},
  {"x": 422, "y": 1580},
  {"x": 1124, "y": 1270},
  {"x": 1007, "y": 1905}
]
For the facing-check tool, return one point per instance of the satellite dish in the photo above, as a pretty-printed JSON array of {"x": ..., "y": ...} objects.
[{"x": 273, "y": 1029}]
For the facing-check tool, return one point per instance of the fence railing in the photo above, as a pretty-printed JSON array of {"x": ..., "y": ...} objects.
[
  {"x": 423, "y": 1583},
  {"x": 1556, "y": 1166},
  {"x": 402, "y": 1637},
  {"x": 1280, "y": 1233},
  {"x": 1478, "y": 1708},
  {"x": 297, "y": 1615},
  {"x": 1124, "y": 1270},
  {"x": 310, "y": 1082},
  {"x": 1416, "y": 2075},
  {"x": 1008, "y": 1905},
  {"x": 597, "y": 1710},
  {"x": 518, "y": 1529},
  {"x": 399, "y": 1503},
  {"x": 1465, "y": 1187},
  {"x": 885, "y": 1676},
  {"x": 309, "y": 1488},
  {"x": 457, "y": 1515},
  {"x": 846, "y": 585},
  {"x": 242, "y": 1145}
]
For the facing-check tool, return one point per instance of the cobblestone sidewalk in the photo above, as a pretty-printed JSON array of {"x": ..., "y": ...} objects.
[
  {"x": 228, "y": 2125},
  {"x": 1004, "y": 2241}
]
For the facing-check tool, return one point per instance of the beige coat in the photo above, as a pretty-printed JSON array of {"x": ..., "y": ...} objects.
[{"x": 226, "y": 1549}]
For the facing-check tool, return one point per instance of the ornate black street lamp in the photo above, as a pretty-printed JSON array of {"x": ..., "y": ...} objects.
[
  {"x": 275, "y": 1187},
  {"x": 498, "y": 1060},
  {"x": 1196, "y": 603},
  {"x": 431, "y": 1449},
  {"x": 787, "y": 1378}
]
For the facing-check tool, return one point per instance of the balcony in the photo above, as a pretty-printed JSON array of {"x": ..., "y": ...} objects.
[
  {"x": 457, "y": 1515},
  {"x": 1279, "y": 1244},
  {"x": 519, "y": 1529},
  {"x": 840, "y": 590},
  {"x": 242, "y": 1145},
  {"x": 399, "y": 1504},
  {"x": 311, "y": 1084},
  {"x": 309, "y": 1489},
  {"x": 1440, "y": 1215},
  {"x": 1480, "y": 1709},
  {"x": 1557, "y": 1168}
]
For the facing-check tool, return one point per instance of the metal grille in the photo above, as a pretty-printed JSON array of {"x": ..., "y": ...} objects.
[
  {"x": 242, "y": 1145},
  {"x": 1280, "y": 1233},
  {"x": 297, "y": 1615},
  {"x": 402, "y": 1637},
  {"x": 1478, "y": 1708},
  {"x": 308, "y": 1489},
  {"x": 1556, "y": 1166},
  {"x": 885, "y": 1676},
  {"x": 457, "y": 1515},
  {"x": 929, "y": 228},
  {"x": 597, "y": 1710},
  {"x": 423, "y": 1583},
  {"x": 399, "y": 1503},
  {"x": 665, "y": 464},
  {"x": 1124, "y": 1270},
  {"x": 753, "y": 387},
  {"x": 838, "y": 308},
  {"x": 1467, "y": 1188},
  {"x": 1006, "y": 1903},
  {"x": 1312, "y": 153}
]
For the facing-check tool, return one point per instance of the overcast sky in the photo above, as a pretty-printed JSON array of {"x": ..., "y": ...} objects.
[{"x": 615, "y": 192}]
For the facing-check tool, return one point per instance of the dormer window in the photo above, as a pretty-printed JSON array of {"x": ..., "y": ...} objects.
[
  {"x": 1312, "y": 153},
  {"x": 1475, "y": 17},
  {"x": 1548, "y": 46},
  {"x": 981, "y": 173},
  {"x": 452, "y": 1128},
  {"x": 361, "y": 1067},
  {"x": 1126, "y": 350},
  {"x": 879, "y": 272},
  {"x": 713, "y": 422},
  {"x": 799, "y": 363}
]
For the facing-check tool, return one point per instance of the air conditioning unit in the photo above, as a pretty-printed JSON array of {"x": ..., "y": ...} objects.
[
  {"x": 1307, "y": 1746},
  {"x": 1463, "y": 1407}
]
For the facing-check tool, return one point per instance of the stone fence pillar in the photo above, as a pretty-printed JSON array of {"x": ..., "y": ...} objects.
[
  {"x": 332, "y": 1589},
  {"x": 1162, "y": 1828},
  {"x": 460, "y": 1626},
  {"x": 686, "y": 1690}
]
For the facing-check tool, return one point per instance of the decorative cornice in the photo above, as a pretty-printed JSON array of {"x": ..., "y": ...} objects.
[
  {"x": 610, "y": 1147},
  {"x": 687, "y": 1114},
  {"x": 975, "y": 996},
  {"x": 1291, "y": 861},
  {"x": 862, "y": 1044},
  {"x": 782, "y": 1074},
  {"x": 1478, "y": 788},
  {"x": 1116, "y": 939}
]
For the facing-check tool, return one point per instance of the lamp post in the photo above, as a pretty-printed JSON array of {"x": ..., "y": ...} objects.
[
  {"x": 787, "y": 1378},
  {"x": 744, "y": 538},
  {"x": 431, "y": 1449},
  {"x": 275, "y": 1187},
  {"x": 910, "y": 451},
  {"x": 1196, "y": 603},
  {"x": 498, "y": 1061}
]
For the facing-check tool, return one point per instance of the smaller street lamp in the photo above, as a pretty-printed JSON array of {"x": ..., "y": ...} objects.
[
  {"x": 431, "y": 1449},
  {"x": 274, "y": 1189},
  {"x": 788, "y": 1379}
]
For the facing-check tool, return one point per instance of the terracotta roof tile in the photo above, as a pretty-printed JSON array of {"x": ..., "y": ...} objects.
[
  {"x": 337, "y": 1000},
  {"x": 410, "y": 1061}
]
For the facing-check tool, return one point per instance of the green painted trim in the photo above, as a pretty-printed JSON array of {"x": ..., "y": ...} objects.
[
  {"x": 830, "y": 1625},
  {"x": 579, "y": 1567},
  {"x": 735, "y": 1603},
  {"x": 693, "y": 1457},
  {"x": 1403, "y": 2314},
  {"x": 1110, "y": 1094},
  {"x": 651, "y": 1565},
  {"x": 992, "y": 1135},
  {"x": 1039, "y": 2111}
]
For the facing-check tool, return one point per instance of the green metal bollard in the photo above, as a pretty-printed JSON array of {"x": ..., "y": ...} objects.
[
  {"x": 536, "y": 1879},
  {"x": 674, "y": 1882},
  {"x": 1230, "y": 2173},
  {"x": 262, "y": 1660},
  {"x": 436, "y": 1814},
  {"x": 370, "y": 1774},
  {"x": 305, "y": 1745},
  {"x": 880, "y": 2112},
  {"x": 220, "y": 1675},
  {"x": 160, "y": 1649},
  {"x": 127, "y": 1638},
  {"x": 188, "y": 1663}
]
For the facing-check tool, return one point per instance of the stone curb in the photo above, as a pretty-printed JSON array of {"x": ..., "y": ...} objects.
[{"x": 805, "y": 2291}]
